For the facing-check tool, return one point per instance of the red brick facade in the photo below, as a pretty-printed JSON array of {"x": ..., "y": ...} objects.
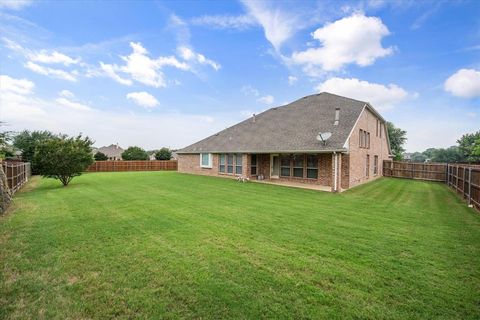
[{"x": 351, "y": 166}]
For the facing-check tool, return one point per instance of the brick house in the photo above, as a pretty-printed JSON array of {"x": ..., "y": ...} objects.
[{"x": 280, "y": 145}]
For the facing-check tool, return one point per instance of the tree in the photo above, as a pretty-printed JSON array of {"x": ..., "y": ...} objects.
[
  {"x": 100, "y": 156},
  {"x": 418, "y": 157},
  {"x": 63, "y": 157},
  {"x": 135, "y": 153},
  {"x": 469, "y": 145},
  {"x": 397, "y": 139},
  {"x": 451, "y": 154},
  {"x": 163, "y": 154},
  {"x": 26, "y": 141}
]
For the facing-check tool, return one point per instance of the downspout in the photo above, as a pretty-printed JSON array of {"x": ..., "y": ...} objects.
[{"x": 335, "y": 171}]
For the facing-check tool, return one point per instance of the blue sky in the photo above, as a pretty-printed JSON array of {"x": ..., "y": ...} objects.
[{"x": 163, "y": 73}]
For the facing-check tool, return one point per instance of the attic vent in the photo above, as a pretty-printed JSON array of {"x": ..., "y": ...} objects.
[{"x": 337, "y": 116}]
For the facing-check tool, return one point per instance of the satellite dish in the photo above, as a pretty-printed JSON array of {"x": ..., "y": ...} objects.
[{"x": 323, "y": 137}]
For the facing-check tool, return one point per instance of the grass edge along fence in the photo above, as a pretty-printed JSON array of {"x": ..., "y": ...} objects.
[
  {"x": 463, "y": 178},
  {"x": 140, "y": 165}
]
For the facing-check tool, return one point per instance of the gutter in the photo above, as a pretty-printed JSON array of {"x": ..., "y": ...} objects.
[{"x": 264, "y": 152}]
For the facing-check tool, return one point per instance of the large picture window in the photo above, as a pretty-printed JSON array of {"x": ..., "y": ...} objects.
[
  {"x": 298, "y": 166},
  {"x": 253, "y": 164},
  {"x": 285, "y": 165},
  {"x": 206, "y": 160},
  {"x": 229, "y": 163},
  {"x": 221, "y": 167},
  {"x": 238, "y": 163},
  {"x": 312, "y": 166}
]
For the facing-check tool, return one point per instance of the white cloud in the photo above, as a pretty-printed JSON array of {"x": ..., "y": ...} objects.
[
  {"x": 278, "y": 24},
  {"x": 225, "y": 21},
  {"x": 72, "y": 104},
  {"x": 268, "y": 99},
  {"x": 355, "y": 39},
  {"x": 66, "y": 94},
  {"x": 379, "y": 96},
  {"x": 56, "y": 73},
  {"x": 52, "y": 58},
  {"x": 464, "y": 83},
  {"x": 190, "y": 55},
  {"x": 109, "y": 71},
  {"x": 15, "y": 86},
  {"x": 141, "y": 68},
  {"x": 143, "y": 99},
  {"x": 292, "y": 80},
  {"x": 15, "y": 4}
]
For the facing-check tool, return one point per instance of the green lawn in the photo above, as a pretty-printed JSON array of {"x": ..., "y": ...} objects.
[{"x": 163, "y": 244}]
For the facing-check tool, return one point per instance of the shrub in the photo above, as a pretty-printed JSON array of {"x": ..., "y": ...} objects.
[
  {"x": 63, "y": 157},
  {"x": 100, "y": 156}
]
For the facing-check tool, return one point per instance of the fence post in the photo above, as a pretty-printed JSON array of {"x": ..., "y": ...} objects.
[{"x": 469, "y": 185}]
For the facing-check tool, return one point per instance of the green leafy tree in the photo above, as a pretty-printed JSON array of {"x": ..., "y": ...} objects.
[
  {"x": 5, "y": 149},
  {"x": 135, "y": 153},
  {"x": 163, "y": 154},
  {"x": 100, "y": 156},
  {"x": 26, "y": 141},
  {"x": 451, "y": 154},
  {"x": 469, "y": 145},
  {"x": 418, "y": 157},
  {"x": 63, "y": 158},
  {"x": 397, "y": 138}
]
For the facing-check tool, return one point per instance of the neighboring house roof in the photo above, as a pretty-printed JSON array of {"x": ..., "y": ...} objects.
[
  {"x": 112, "y": 151},
  {"x": 290, "y": 128}
]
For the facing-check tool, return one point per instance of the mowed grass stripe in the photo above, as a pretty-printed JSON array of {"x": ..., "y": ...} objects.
[{"x": 164, "y": 244}]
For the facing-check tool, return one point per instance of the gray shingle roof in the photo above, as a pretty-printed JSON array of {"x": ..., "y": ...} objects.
[{"x": 290, "y": 128}]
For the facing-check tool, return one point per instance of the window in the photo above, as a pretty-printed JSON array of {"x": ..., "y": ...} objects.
[
  {"x": 221, "y": 167},
  {"x": 206, "y": 160},
  {"x": 367, "y": 166},
  {"x": 298, "y": 166},
  {"x": 312, "y": 166},
  {"x": 238, "y": 163},
  {"x": 376, "y": 128},
  {"x": 375, "y": 165},
  {"x": 360, "y": 139},
  {"x": 337, "y": 116},
  {"x": 368, "y": 140},
  {"x": 253, "y": 164},
  {"x": 285, "y": 166},
  {"x": 381, "y": 129},
  {"x": 229, "y": 163}
]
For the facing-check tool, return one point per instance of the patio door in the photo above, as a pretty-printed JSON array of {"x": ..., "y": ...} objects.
[{"x": 274, "y": 166}]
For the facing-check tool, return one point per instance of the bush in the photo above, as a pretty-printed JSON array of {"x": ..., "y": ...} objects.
[
  {"x": 63, "y": 158},
  {"x": 135, "y": 153},
  {"x": 100, "y": 156},
  {"x": 163, "y": 154}
]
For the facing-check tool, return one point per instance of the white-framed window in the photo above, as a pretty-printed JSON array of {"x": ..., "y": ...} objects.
[
  {"x": 206, "y": 160},
  {"x": 222, "y": 163},
  {"x": 238, "y": 163}
]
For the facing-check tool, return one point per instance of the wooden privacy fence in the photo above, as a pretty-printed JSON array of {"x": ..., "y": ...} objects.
[
  {"x": 415, "y": 170},
  {"x": 17, "y": 174},
  {"x": 141, "y": 165},
  {"x": 463, "y": 178}
]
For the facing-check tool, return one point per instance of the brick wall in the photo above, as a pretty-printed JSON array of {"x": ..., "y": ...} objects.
[
  {"x": 190, "y": 163},
  {"x": 357, "y": 156}
]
